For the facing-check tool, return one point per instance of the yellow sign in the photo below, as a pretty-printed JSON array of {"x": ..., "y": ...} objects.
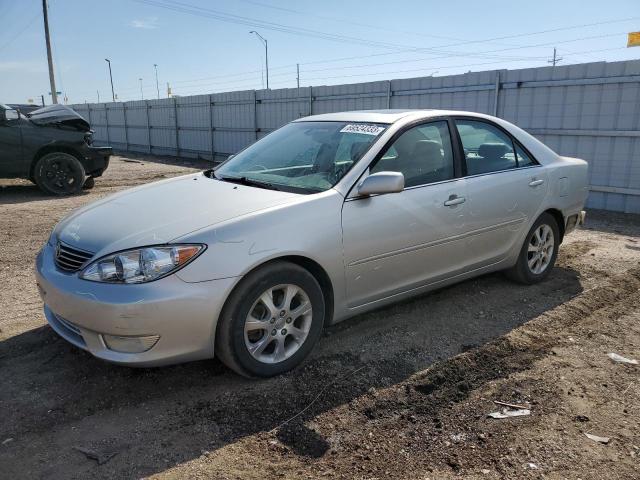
[{"x": 634, "y": 39}]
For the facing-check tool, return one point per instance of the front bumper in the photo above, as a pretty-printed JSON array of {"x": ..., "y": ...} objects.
[
  {"x": 183, "y": 315},
  {"x": 96, "y": 160}
]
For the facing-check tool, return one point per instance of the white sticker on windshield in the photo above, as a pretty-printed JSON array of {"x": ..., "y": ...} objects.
[{"x": 362, "y": 128}]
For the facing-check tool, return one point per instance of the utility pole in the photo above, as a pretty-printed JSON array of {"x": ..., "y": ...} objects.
[
  {"x": 168, "y": 90},
  {"x": 98, "y": 92},
  {"x": 556, "y": 59},
  {"x": 52, "y": 80},
  {"x": 141, "y": 94},
  {"x": 266, "y": 53},
  {"x": 155, "y": 65},
  {"x": 42, "y": 98},
  {"x": 113, "y": 95},
  {"x": 298, "y": 75}
]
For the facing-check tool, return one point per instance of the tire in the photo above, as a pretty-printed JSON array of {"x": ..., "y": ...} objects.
[
  {"x": 59, "y": 173},
  {"x": 89, "y": 183},
  {"x": 528, "y": 270},
  {"x": 270, "y": 332}
]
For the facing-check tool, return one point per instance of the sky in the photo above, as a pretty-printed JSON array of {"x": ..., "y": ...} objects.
[{"x": 205, "y": 46}]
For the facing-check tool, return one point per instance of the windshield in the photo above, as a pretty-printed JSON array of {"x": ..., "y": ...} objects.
[{"x": 302, "y": 156}]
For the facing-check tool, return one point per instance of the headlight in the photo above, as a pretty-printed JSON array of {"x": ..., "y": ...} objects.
[{"x": 141, "y": 265}]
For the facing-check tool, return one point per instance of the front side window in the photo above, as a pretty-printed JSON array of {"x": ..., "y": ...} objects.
[
  {"x": 423, "y": 154},
  {"x": 304, "y": 157},
  {"x": 486, "y": 148}
]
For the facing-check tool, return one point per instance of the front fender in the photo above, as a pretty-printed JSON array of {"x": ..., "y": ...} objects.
[{"x": 310, "y": 228}]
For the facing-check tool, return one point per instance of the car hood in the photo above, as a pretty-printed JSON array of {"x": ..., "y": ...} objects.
[
  {"x": 159, "y": 212},
  {"x": 58, "y": 115}
]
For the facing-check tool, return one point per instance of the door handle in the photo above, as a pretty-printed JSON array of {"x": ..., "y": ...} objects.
[
  {"x": 535, "y": 183},
  {"x": 454, "y": 200}
]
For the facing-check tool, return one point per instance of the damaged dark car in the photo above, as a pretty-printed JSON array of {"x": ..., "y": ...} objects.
[{"x": 52, "y": 147}]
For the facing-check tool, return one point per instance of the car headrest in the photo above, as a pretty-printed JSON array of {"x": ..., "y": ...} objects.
[
  {"x": 325, "y": 158},
  {"x": 427, "y": 149},
  {"x": 492, "y": 150},
  {"x": 357, "y": 149}
]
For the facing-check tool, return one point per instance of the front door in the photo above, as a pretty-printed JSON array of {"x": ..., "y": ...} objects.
[
  {"x": 10, "y": 144},
  {"x": 400, "y": 241}
]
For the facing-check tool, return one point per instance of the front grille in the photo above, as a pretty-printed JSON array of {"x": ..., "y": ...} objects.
[{"x": 71, "y": 259}]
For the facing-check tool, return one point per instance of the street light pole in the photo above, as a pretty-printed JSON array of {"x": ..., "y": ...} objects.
[
  {"x": 141, "y": 94},
  {"x": 155, "y": 65},
  {"x": 266, "y": 53},
  {"x": 113, "y": 95}
]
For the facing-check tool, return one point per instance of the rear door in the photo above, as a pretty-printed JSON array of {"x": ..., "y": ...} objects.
[
  {"x": 11, "y": 163},
  {"x": 505, "y": 189},
  {"x": 400, "y": 241}
]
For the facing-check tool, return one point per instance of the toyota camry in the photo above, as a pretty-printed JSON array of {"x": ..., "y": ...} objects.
[{"x": 327, "y": 217}]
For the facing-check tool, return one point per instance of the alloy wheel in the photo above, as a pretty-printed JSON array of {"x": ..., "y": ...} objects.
[
  {"x": 278, "y": 323},
  {"x": 540, "y": 250}
]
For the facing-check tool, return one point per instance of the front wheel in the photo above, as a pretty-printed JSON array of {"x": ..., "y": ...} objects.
[
  {"x": 89, "y": 183},
  {"x": 59, "y": 173},
  {"x": 538, "y": 253},
  {"x": 271, "y": 321}
]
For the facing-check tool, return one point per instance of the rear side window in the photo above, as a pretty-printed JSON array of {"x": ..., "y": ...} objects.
[
  {"x": 524, "y": 160},
  {"x": 486, "y": 148},
  {"x": 423, "y": 154}
]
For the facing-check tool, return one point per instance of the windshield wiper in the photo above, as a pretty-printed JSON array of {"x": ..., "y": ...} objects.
[{"x": 248, "y": 181}]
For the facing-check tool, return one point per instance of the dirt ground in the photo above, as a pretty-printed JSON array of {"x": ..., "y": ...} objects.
[{"x": 402, "y": 392}]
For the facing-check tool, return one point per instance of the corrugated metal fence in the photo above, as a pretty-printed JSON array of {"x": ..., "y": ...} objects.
[{"x": 590, "y": 110}]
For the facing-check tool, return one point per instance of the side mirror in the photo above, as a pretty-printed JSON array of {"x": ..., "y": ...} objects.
[
  {"x": 9, "y": 115},
  {"x": 381, "y": 183}
]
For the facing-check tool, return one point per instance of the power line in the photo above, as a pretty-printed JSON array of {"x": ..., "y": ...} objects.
[
  {"x": 242, "y": 20},
  {"x": 392, "y": 63},
  {"x": 208, "y": 13},
  {"x": 21, "y": 31},
  {"x": 462, "y": 54},
  {"x": 196, "y": 90},
  {"x": 350, "y": 22},
  {"x": 431, "y": 68},
  {"x": 222, "y": 84},
  {"x": 465, "y": 42}
]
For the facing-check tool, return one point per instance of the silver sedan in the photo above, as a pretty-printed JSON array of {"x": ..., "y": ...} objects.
[{"x": 327, "y": 217}]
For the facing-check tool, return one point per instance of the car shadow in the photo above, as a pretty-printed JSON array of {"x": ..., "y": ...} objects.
[
  {"x": 200, "y": 163},
  {"x": 56, "y": 394},
  {"x": 612, "y": 222},
  {"x": 26, "y": 192}
]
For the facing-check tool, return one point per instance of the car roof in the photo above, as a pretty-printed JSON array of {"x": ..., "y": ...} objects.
[
  {"x": 383, "y": 116},
  {"x": 407, "y": 116}
]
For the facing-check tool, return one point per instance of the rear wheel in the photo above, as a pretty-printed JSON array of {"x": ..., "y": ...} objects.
[
  {"x": 59, "y": 173},
  {"x": 271, "y": 321},
  {"x": 538, "y": 253}
]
